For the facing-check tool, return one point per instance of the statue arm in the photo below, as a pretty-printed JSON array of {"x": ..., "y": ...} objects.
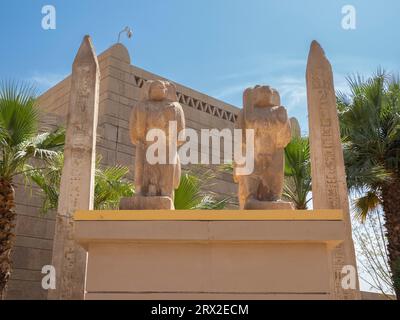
[
  {"x": 180, "y": 122},
  {"x": 134, "y": 126},
  {"x": 180, "y": 119},
  {"x": 285, "y": 134}
]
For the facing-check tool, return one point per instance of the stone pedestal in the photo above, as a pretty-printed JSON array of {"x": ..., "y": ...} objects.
[
  {"x": 209, "y": 254},
  {"x": 146, "y": 203},
  {"x": 268, "y": 205}
]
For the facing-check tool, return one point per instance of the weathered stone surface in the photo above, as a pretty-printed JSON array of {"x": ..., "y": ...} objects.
[
  {"x": 263, "y": 113},
  {"x": 327, "y": 165},
  {"x": 31, "y": 258},
  {"x": 144, "y": 203},
  {"x": 77, "y": 182},
  {"x": 25, "y": 290},
  {"x": 157, "y": 107},
  {"x": 295, "y": 126},
  {"x": 253, "y": 204}
]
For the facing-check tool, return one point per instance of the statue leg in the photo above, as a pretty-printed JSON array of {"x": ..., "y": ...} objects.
[
  {"x": 275, "y": 176},
  {"x": 167, "y": 176},
  {"x": 140, "y": 174},
  {"x": 177, "y": 174},
  {"x": 151, "y": 178},
  {"x": 247, "y": 190}
]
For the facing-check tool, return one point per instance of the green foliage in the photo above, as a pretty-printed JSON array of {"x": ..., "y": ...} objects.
[
  {"x": 298, "y": 172},
  {"x": 190, "y": 194},
  {"x": 370, "y": 129},
  {"x": 48, "y": 180},
  {"x": 365, "y": 204},
  {"x": 19, "y": 137},
  {"x": 110, "y": 184},
  {"x": 110, "y": 187}
]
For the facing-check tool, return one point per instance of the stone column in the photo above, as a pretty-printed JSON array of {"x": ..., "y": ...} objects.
[
  {"x": 329, "y": 186},
  {"x": 77, "y": 181}
]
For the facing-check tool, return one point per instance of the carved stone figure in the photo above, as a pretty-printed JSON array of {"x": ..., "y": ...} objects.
[
  {"x": 263, "y": 113},
  {"x": 155, "y": 183}
]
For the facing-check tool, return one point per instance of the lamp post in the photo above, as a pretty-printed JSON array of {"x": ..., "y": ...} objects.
[{"x": 128, "y": 31}]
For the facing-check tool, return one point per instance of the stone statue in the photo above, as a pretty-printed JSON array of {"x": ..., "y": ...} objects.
[
  {"x": 263, "y": 113},
  {"x": 155, "y": 184}
]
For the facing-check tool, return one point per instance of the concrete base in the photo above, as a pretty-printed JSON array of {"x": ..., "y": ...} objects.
[
  {"x": 209, "y": 255},
  {"x": 268, "y": 205},
  {"x": 146, "y": 203}
]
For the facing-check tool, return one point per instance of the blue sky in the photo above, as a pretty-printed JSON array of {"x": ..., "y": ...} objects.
[{"x": 218, "y": 47}]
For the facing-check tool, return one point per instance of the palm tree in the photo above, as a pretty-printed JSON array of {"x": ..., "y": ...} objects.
[
  {"x": 110, "y": 185},
  {"x": 20, "y": 142},
  {"x": 297, "y": 185},
  {"x": 370, "y": 127}
]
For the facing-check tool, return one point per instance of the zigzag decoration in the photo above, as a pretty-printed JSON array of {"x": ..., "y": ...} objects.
[{"x": 197, "y": 104}]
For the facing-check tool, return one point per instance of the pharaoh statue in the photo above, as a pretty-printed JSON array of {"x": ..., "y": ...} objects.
[
  {"x": 155, "y": 179},
  {"x": 262, "y": 189}
]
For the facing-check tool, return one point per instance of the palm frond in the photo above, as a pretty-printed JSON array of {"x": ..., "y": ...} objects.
[
  {"x": 20, "y": 141},
  {"x": 110, "y": 184},
  {"x": 370, "y": 128},
  {"x": 297, "y": 185},
  {"x": 362, "y": 206},
  {"x": 18, "y": 112},
  {"x": 190, "y": 194}
]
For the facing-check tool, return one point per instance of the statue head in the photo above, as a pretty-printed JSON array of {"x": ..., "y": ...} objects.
[
  {"x": 261, "y": 97},
  {"x": 265, "y": 96},
  {"x": 158, "y": 90}
]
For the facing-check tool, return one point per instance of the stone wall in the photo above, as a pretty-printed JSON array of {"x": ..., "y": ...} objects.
[{"x": 119, "y": 89}]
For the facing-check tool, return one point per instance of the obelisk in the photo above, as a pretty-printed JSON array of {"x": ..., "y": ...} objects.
[
  {"x": 77, "y": 181},
  {"x": 329, "y": 188},
  {"x": 295, "y": 127}
]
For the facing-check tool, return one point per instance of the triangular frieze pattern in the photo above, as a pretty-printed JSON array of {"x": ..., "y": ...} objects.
[{"x": 197, "y": 104}]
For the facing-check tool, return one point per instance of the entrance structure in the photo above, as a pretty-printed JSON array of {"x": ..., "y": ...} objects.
[
  {"x": 288, "y": 253},
  {"x": 242, "y": 254}
]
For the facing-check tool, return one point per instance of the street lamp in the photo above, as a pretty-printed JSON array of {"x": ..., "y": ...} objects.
[{"x": 128, "y": 31}]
